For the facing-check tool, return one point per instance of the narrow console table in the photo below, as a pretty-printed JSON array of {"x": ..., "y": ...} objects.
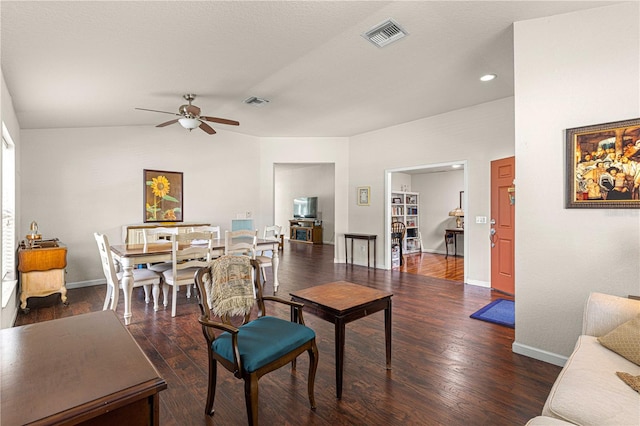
[
  {"x": 369, "y": 238},
  {"x": 452, "y": 234},
  {"x": 84, "y": 369}
]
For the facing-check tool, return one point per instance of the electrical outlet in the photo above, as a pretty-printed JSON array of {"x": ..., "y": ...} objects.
[
  {"x": 248, "y": 215},
  {"x": 481, "y": 219}
]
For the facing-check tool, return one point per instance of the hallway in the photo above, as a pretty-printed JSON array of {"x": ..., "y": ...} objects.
[{"x": 434, "y": 265}]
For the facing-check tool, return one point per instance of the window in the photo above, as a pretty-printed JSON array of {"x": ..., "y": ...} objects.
[{"x": 8, "y": 216}]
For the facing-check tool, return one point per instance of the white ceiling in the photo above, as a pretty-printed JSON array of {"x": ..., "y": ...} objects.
[{"x": 86, "y": 64}]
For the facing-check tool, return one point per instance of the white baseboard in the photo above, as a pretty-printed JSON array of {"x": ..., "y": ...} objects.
[
  {"x": 539, "y": 354},
  {"x": 89, "y": 283},
  {"x": 479, "y": 283}
]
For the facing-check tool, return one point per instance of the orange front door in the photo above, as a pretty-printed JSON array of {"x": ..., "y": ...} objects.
[{"x": 503, "y": 173}]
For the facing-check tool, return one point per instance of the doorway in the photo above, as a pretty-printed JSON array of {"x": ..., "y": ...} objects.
[{"x": 431, "y": 228}]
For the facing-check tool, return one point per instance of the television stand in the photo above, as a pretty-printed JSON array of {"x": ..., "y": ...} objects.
[{"x": 307, "y": 231}]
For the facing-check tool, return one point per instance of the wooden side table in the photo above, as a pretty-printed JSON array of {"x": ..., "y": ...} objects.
[
  {"x": 341, "y": 303},
  {"x": 42, "y": 270},
  {"x": 369, "y": 238},
  {"x": 81, "y": 369},
  {"x": 453, "y": 234}
]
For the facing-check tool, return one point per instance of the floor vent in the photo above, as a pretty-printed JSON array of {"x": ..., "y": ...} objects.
[{"x": 385, "y": 33}]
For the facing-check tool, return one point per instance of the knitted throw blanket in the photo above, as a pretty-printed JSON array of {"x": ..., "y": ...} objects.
[{"x": 229, "y": 287}]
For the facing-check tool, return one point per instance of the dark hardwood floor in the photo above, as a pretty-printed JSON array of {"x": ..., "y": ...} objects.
[{"x": 448, "y": 369}]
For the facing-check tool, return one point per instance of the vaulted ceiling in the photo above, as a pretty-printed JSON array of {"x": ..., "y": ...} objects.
[{"x": 90, "y": 63}]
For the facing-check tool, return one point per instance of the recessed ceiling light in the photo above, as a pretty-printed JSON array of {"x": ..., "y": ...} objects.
[{"x": 488, "y": 77}]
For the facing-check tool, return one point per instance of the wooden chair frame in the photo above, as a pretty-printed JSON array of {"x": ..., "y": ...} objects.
[{"x": 210, "y": 326}]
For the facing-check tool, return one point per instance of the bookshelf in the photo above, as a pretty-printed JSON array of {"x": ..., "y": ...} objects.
[{"x": 404, "y": 208}]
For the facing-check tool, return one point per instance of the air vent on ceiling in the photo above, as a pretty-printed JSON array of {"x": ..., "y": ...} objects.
[
  {"x": 255, "y": 101},
  {"x": 385, "y": 33}
]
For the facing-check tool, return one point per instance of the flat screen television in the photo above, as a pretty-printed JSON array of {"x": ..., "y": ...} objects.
[{"x": 305, "y": 207}]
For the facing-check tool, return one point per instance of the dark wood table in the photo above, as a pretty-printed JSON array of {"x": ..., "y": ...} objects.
[
  {"x": 369, "y": 238},
  {"x": 340, "y": 303},
  {"x": 454, "y": 232},
  {"x": 84, "y": 368}
]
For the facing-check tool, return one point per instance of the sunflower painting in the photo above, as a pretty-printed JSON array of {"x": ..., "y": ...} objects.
[{"x": 162, "y": 196}]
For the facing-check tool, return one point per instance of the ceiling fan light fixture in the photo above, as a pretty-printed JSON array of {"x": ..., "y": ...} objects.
[{"x": 189, "y": 123}]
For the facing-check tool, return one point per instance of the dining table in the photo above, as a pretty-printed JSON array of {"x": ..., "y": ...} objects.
[{"x": 131, "y": 255}]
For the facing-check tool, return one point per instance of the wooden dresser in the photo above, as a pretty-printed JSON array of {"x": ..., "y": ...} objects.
[
  {"x": 42, "y": 270},
  {"x": 85, "y": 369}
]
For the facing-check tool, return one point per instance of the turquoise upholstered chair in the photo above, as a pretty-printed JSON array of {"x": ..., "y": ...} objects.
[{"x": 256, "y": 347}]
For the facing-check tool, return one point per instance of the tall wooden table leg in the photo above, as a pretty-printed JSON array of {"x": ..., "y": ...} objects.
[{"x": 340, "y": 334}]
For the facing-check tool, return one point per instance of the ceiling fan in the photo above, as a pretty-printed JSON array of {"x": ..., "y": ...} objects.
[{"x": 190, "y": 117}]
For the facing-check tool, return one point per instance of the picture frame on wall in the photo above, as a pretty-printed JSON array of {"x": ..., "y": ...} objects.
[
  {"x": 603, "y": 165},
  {"x": 364, "y": 193},
  {"x": 162, "y": 196}
]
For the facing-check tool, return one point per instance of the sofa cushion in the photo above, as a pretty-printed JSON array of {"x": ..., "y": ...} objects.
[
  {"x": 625, "y": 340},
  {"x": 588, "y": 392}
]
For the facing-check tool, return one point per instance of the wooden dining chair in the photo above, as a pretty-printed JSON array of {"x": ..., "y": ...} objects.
[
  {"x": 189, "y": 252},
  {"x": 256, "y": 347},
  {"x": 141, "y": 277},
  {"x": 398, "y": 230}
]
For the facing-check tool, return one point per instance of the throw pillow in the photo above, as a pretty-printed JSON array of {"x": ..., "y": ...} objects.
[
  {"x": 633, "y": 381},
  {"x": 624, "y": 340}
]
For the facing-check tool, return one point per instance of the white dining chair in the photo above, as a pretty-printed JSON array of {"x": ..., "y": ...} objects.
[
  {"x": 241, "y": 242},
  {"x": 264, "y": 257},
  {"x": 215, "y": 230},
  {"x": 141, "y": 277},
  {"x": 189, "y": 252},
  {"x": 158, "y": 235}
]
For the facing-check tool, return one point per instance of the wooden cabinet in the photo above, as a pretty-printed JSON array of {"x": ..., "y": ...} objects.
[
  {"x": 305, "y": 231},
  {"x": 404, "y": 208},
  {"x": 132, "y": 234},
  {"x": 80, "y": 370},
  {"x": 42, "y": 270}
]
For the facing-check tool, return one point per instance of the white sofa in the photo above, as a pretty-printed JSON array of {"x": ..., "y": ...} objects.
[{"x": 587, "y": 390}]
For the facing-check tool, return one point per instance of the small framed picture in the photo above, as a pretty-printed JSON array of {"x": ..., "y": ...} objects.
[
  {"x": 364, "y": 193},
  {"x": 397, "y": 200}
]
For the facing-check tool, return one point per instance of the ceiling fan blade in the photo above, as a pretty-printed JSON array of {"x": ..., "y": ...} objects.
[
  {"x": 192, "y": 109},
  {"x": 153, "y": 110},
  {"x": 168, "y": 122},
  {"x": 207, "y": 128},
  {"x": 220, "y": 120}
]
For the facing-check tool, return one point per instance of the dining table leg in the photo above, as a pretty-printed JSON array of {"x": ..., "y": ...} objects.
[{"x": 127, "y": 289}]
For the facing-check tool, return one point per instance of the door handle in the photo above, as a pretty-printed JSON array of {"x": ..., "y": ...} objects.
[{"x": 492, "y": 237}]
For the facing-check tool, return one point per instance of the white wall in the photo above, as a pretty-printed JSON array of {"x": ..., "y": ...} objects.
[
  {"x": 300, "y": 180},
  {"x": 477, "y": 134},
  {"x": 8, "y": 117},
  {"x": 312, "y": 151},
  {"x": 80, "y": 181},
  {"x": 439, "y": 194},
  {"x": 571, "y": 70}
]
